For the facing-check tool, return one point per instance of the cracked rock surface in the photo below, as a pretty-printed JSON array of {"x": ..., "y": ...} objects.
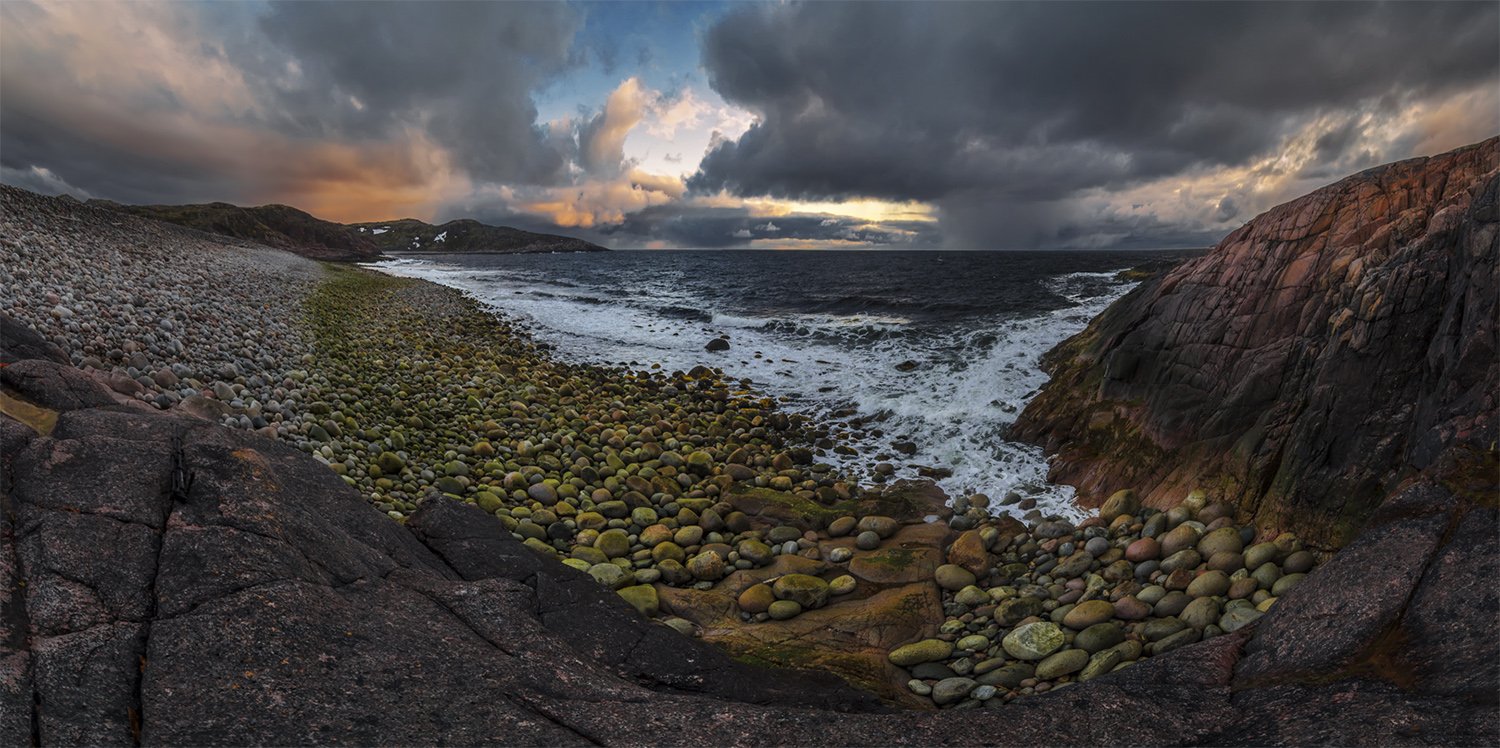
[{"x": 166, "y": 580}]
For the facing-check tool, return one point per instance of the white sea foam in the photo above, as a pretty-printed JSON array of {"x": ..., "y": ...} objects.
[{"x": 953, "y": 409}]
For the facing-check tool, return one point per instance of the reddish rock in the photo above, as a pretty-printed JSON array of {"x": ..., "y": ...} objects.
[
  {"x": 1329, "y": 348},
  {"x": 1144, "y": 549},
  {"x": 1130, "y": 609},
  {"x": 911, "y": 555},
  {"x": 969, "y": 552},
  {"x": 1179, "y": 579}
]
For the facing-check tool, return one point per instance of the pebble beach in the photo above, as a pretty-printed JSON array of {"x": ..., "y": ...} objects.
[{"x": 411, "y": 392}]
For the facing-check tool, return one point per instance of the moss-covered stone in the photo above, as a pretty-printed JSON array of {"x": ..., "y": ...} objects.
[
  {"x": 390, "y": 463},
  {"x": 927, "y": 650},
  {"x": 806, "y": 590},
  {"x": 643, "y": 598}
]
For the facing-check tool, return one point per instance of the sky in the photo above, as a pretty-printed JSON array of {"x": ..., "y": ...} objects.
[{"x": 783, "y": 125}]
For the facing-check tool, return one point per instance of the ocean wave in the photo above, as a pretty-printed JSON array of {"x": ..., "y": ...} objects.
[{"x": 939, "y": 394}]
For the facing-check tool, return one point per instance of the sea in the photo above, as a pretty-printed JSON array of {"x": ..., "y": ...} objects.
[{"x": 918, "y": 359}]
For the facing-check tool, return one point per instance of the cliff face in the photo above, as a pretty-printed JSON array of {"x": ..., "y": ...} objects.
[{"x": 1320, "y": 355}]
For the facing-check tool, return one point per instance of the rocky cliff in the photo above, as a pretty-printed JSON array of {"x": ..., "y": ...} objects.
[
  {"x": 165, "y": 580},
  {"x": 1324, "y": 353}
]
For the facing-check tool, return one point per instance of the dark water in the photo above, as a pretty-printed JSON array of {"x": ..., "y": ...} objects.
[{"x": 938, "y": 349}]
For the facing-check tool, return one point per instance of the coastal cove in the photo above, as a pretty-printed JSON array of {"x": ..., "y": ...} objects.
[
  {"x": 691, "y": 495},
  {"x": 681, "y": 491},
  {"x": 743, "y": 373},
  {"x": 215, "y": 489}
]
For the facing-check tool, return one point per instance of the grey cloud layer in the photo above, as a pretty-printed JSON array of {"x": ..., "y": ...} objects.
[
  {"x": 364, "y": 74},
  {"x": 464, "y": 71},
  {"x": 713, "y": 228},
  {"x": 997, "y": 111},
  {"x": 705, "y": 227},
  {"x": 1012, "y": 118}
]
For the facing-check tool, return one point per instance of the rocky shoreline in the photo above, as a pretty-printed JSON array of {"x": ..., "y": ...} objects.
[
  {"x": 657, "y": 485},
  {"x": 682, "y": 498}
]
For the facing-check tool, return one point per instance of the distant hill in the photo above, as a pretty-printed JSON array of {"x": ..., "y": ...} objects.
[
  {"x": 463, "y": 235},
  {"x": 294, "y": 230},
  {"x": 278, "y": 226}
]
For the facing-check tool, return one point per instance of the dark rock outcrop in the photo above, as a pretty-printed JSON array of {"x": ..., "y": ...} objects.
[
  {"x": 165, "y": 580},
  {"x": 1327, "y": 351},
  {"x": 19, "y": 342}
]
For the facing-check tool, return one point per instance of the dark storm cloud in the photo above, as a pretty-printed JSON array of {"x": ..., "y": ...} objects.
[
  {"x": 31, "y": 140},
  {"x": 1226, "y": 209},
  {"x": 463, "y": 70},
  {"x": 970, "y": 104},
  {"x": 702, "y": 227},
  {"x": 314, "y": 83},
  {"x": 731, "y": 227}
]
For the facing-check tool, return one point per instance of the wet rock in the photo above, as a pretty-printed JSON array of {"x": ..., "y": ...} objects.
[
  {"x": 1224, "y": 539},
  {"x": 927, "y": 650},
  {"x": 1098, "y": 637},
  {"x": 1129, "y": 608},
  {"x": 1066, "y": 662},
  {"x": 806, "y": 590},
  {"x": 782, "y": 610},
  {"x": 756, "y": 598},
  {"x": 953, "y": 577},
  {"x": 1237, "y": 618},
  {"x": 1144, "y": 549},
  {"x": 1088, "y": 613},
  {"x": 969, "y": 552},
  {"x": 1179, "y": 538},
  {"x": 1209, "y": 584},
  {"x": 1201, "y": 613},
  {"x": 643, "y": 598},
  {"x": 952, "y": 690},
  {"x": 1286, "y": 583},
  {"x": 1119, "y": 503},
  {"x": 1033, "y": 641}
]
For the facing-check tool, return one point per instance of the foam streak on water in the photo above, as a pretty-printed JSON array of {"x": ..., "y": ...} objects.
[{"x": 974, "y": 373}]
